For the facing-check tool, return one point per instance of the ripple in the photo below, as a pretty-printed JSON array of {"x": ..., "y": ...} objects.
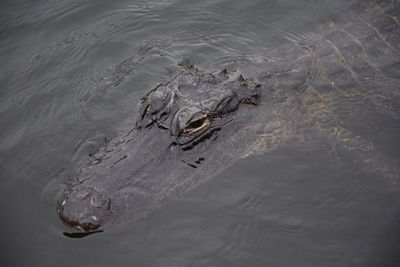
[{"x": 73, "y": 72}]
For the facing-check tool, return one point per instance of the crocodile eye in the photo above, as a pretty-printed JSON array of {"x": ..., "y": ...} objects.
[{"x": 196, "y": 125}]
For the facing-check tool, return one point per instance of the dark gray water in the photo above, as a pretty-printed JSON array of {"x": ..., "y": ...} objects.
[{"x": 71, "y": 75}]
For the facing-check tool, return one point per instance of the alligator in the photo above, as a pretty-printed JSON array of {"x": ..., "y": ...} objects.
[{"x": 200, "y": 122}]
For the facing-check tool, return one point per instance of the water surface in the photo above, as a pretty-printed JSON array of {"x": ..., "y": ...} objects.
[{"x": 72, "y": 73}]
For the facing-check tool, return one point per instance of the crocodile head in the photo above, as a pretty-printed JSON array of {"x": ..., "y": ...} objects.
[{"x": 186, "y": 132}]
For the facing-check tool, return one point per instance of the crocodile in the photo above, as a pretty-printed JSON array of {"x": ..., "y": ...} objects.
[{"x": 200, "y": 122}]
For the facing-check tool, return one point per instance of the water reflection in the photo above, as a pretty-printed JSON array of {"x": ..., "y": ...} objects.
[{"x": 67, "y": 65}]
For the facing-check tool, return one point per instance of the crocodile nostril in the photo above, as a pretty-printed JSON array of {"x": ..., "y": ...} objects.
[
  {"x": 100, "y": 201},
  {"x": 91, "y": 223},
  {"x": 84, "y": 208}
]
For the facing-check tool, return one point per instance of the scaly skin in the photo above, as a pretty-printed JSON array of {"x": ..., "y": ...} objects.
[{"x": 331, "y": 86}]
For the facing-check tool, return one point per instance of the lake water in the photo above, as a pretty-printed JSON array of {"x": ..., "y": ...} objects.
[{"x": 72, "y": 72}]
